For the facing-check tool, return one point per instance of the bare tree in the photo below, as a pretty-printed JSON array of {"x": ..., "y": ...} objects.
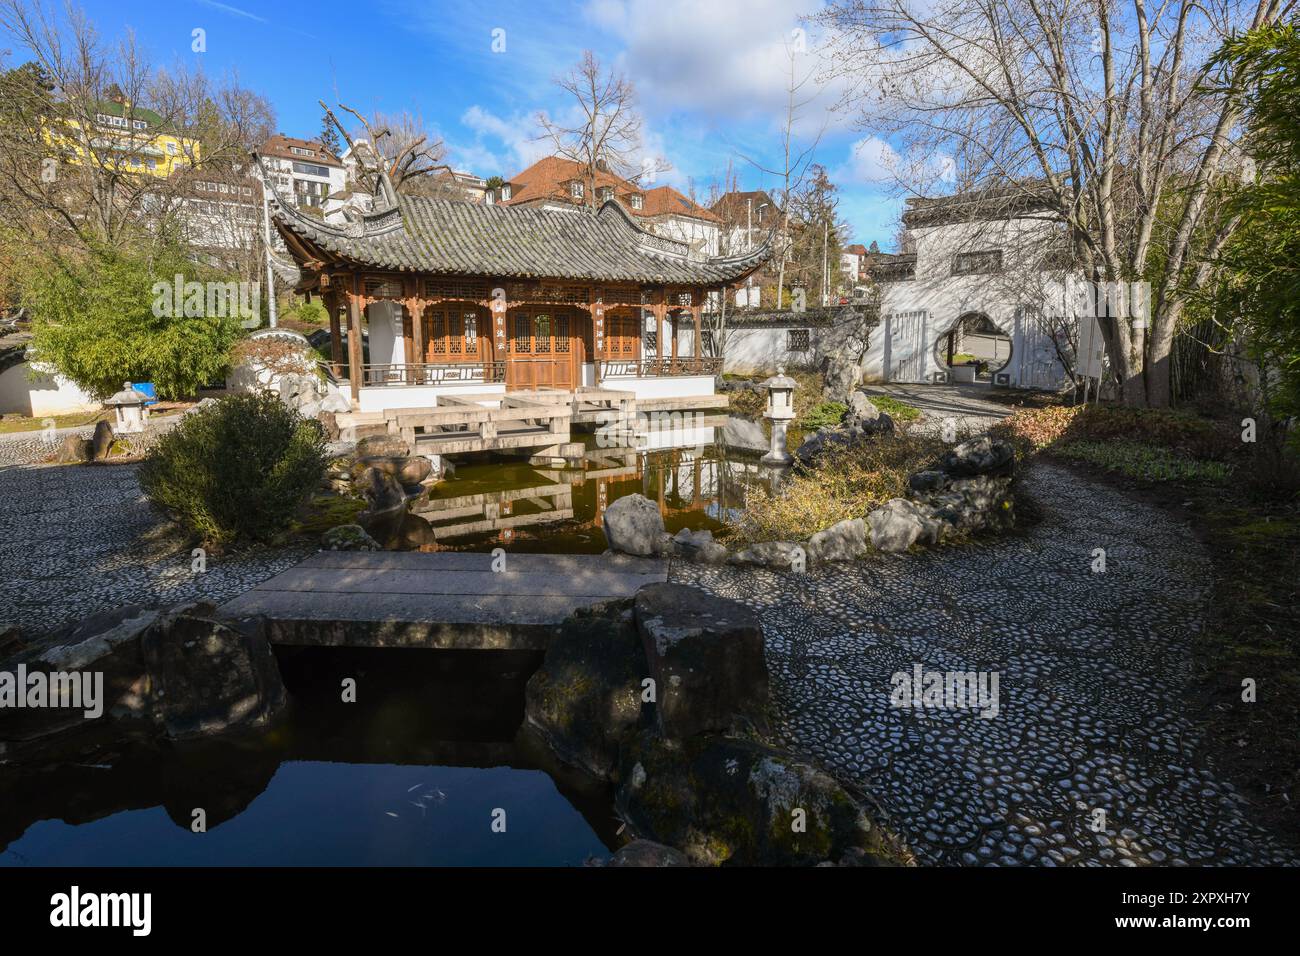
[
  {"x": 70, "y": 178},
  {"x": 1097, "y": 107},
  {"x": 606, "y": 133},
  {"x": 797, "y": 158},
  {"x": 399, "y": 146}
]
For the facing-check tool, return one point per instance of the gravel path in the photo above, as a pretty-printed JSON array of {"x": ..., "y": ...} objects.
[
  {"x": 1091, "y": 668},
  {"x": 76, "y": 539}
]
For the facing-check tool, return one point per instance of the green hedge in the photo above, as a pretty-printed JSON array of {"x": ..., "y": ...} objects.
[{"x": 238, "y": 470}]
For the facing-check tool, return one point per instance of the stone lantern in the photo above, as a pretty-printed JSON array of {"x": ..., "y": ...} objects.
[
  {"x": 128, "y": 405},
  {"x": 780, "y": 412}
]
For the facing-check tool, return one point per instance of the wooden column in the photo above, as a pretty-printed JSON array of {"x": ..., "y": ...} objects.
[
  {"x": 336, "y": 331},
  {"x": 659, "y": 309},
  {"x": 696, "y": 308},
  {"x": 415, "y": 345},
  {"x": 355, "y": 354}
]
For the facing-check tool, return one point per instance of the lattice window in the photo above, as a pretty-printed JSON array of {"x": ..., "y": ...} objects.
[
  {"x": 523, "y": 333},
  {"x": 380, "y": 288},
  {"x": 438, "y": 333},
  {"x": 977, "y": 263},
  {"x": 471, "y": 332},
  {"x": 797, "y": 340},
  {"x": 453, "y": 289},
  {"x": 542, "y": 334},
  {"x": 683, "y": 298},
  {"x": 562, "y": 334}
]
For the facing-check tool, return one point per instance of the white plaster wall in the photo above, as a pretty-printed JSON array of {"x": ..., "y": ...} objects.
[
  {"x": 379, "y": 398},
  {"x": 30, "y": 392},
  {"x": 762, "y": 350},
  {"x": 386, "y": 346},
  {"x": 944, "y": 298},
  {"x": 690, "y": 231}
]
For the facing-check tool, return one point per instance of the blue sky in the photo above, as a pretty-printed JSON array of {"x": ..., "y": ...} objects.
[{"x": 710, "y": 74}]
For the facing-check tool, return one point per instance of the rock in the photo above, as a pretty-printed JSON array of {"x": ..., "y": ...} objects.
[
  {"x": 842, "y": 541},
  {"x": 850, "y": 435},
  {"x": 299, "y": 390},
  {"x": 407, "y": 470},
  {"x": 348, "y": 537},
  {"x": 930, "y": 480},
  {"x": 896, "y": 525},
  {"x": 641, "y": 853},
  {"x": 843, "y": 374},
  {"x": 971, "y": 504},
  {"x": 382, "y": 445},
  {"x": 778, "y": 555},
  {"x": 384, "y": 492},
  {"x": 634, "y": 525},
  {"x": 862, "y": 410},
  {"x": 101, "y": 444},
  {"x": 697, "y": 546},
  {"x": 309, "y": 409},
  {"x": 330, "y": 423},
  {"x": 723, "y": 800},
  {"x": 978, "y": 456},
  {"x": 75, "y": 449},
  {"x": 211, "y": 676},
  {"x": 744, "y": 434},
  {"x": 201, "y": 405},
  {"x": 335, "y": 402},
  {"x": 705, "y": 655},
  {"x": 586, "y": 696},
  {"x": 107, "y": 643}
]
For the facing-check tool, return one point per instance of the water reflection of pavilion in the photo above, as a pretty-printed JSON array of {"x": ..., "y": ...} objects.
[{"x": 693, "y": 479}]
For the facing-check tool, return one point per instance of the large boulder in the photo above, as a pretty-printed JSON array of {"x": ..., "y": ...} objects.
[
  {"x": 978, "y": 456},
  {"x": 744, "y": 434},
  {"x": 842, "y": 541},
  {"x": 101, "y": 443},
  {"x": 407, "y": 470},
  {"x": 696, "y": 546},
  {"x": 843, "y": 374},
  {"x": 384, "y": 493},
  {"x": 586, "y": 696},
  {"x": 725, "y": 800},
  {"x": 634, "y": 525},
  {"x": 74, "y": 449},
  {"x": 211, "y": 676},
  {"x": 383, "y": 444},
  {"x": 896, "y": 525},
  {"x": 705, "y": 655},
  {"x": 777, "y": 555}
]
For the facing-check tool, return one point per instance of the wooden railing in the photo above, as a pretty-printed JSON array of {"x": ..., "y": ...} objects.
[
  {"x": 652, "y": 367},
  {"x": 435, "y": 373}
]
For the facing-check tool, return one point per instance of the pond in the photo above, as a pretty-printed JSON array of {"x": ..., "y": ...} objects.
[
  {"x": 696, "y": 477},
  {"x": 415, "y": 772}
]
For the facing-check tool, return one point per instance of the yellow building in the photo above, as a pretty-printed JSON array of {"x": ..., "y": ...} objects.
[{"x": 131, "y": 138}]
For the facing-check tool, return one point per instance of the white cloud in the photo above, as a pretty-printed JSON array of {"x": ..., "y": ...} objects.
[{"x": 728, "y": 60}]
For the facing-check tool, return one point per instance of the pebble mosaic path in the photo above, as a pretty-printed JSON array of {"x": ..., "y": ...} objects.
[
  {"x": 79, "y": 539},
  {"x": 1092, "y": 669}
]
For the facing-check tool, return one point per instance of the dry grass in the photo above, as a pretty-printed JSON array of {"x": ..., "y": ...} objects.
[{"x": 846, "y": 483}]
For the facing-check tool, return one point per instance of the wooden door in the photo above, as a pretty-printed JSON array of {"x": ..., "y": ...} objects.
[
  {"x": 545, "y": 346},
  {"x": 457, "y": 334}
]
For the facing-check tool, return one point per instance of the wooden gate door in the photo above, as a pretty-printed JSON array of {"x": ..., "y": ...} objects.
[
  {"x": 905, "y": 346},
  {"x": 544, "y": 347}
]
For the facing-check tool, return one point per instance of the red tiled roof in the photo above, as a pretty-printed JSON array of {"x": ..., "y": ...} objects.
[
  {"x": 549, "y": 178},
  {"x": 281, "y": 147}
]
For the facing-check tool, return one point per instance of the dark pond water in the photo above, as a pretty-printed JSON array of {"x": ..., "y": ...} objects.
[
  {"x": 413, "y": 773},
  {"x": 697, "y": 481}
]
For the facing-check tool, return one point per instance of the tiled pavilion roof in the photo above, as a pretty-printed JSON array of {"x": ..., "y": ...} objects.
[{"x": 450, "y": 237}]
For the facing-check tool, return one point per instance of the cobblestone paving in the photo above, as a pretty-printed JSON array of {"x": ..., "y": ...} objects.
[
  {"x": 77, "y": 539},
  {"x": 1092, "y": 669}
]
